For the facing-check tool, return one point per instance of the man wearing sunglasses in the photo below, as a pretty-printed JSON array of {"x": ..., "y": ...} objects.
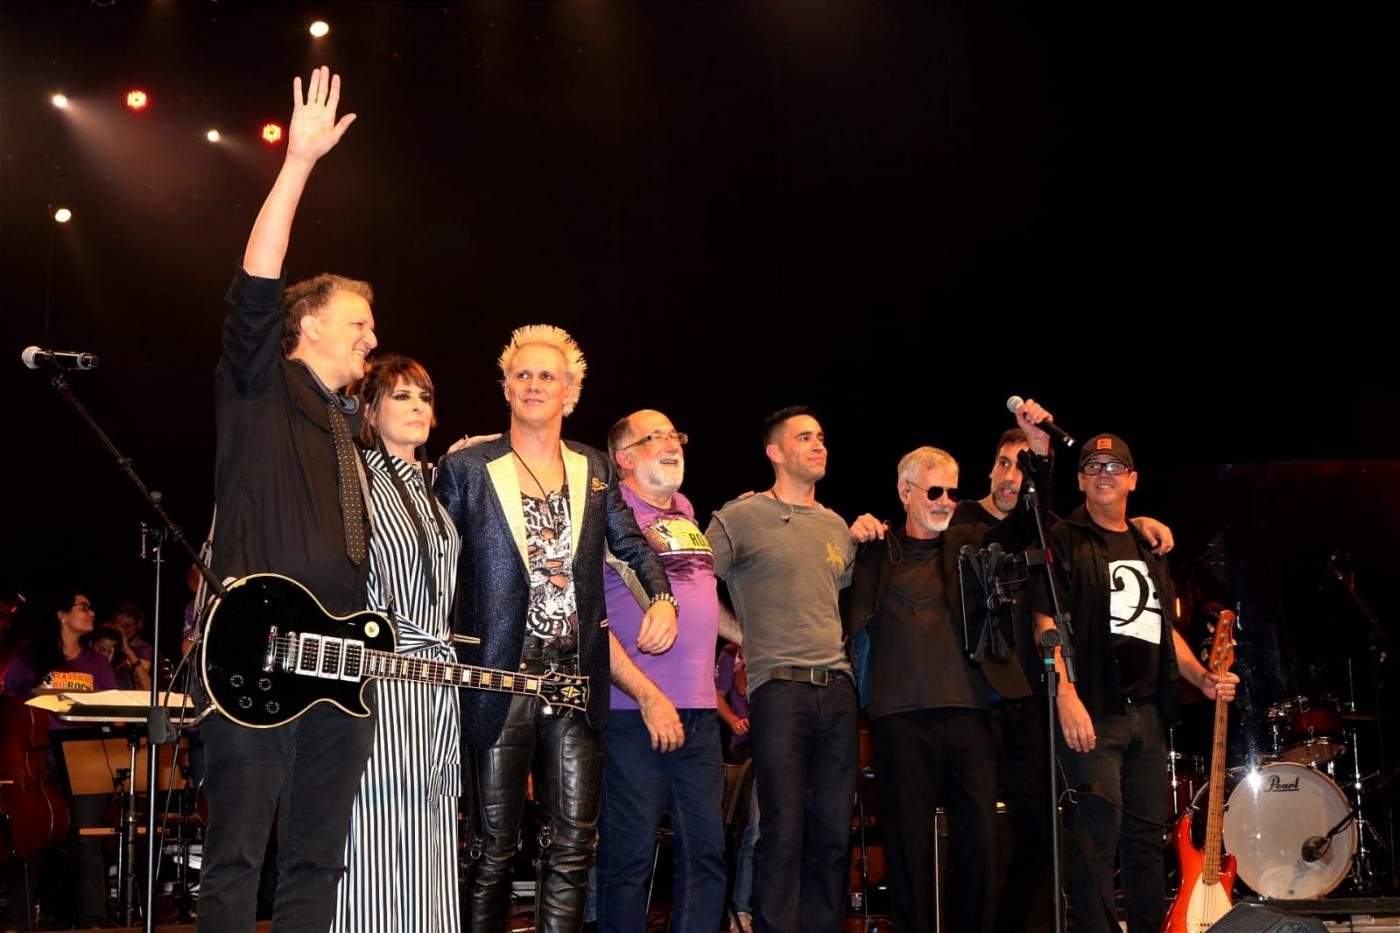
[
  {"x": 1018, "y": 721},
  {"x": 929, "y": 703},
  {"x": 1113, "y": 720},
  {"x": 662, "y": 735}
]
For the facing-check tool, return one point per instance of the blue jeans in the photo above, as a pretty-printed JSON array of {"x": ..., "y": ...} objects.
[
  {"x": 743, "y": 871},
  {"x": 1129, "y": 759},
  {"x": 638, "y": 784},
  {"x": 804, "y": 752}
]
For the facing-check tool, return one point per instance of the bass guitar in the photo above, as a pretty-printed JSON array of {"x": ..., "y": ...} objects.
[
  {"x": 271, "y": 651},
  {"x": 1207, "y": 874}
]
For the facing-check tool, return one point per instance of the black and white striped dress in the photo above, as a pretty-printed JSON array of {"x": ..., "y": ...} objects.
[{"x": 401, "y": 854}]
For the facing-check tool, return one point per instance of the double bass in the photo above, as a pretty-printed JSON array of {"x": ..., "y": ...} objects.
[{"x": 33, "y": 812}]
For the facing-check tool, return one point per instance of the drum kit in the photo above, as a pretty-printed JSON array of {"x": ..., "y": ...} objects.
[{"x": 1295, "y": 818}]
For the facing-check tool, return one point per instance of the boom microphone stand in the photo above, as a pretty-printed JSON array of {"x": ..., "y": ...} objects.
[
  {"x": 159, "y": 730},
  {"x": 1060, "y": 635}
]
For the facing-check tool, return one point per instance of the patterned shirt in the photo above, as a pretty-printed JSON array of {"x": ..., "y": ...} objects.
[{"x": 553, "y": 612}]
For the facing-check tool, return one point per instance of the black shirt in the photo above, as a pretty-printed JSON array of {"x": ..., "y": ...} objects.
[
  {"x": 916, "y": 654},
  {"x": 276, "y": 477}
]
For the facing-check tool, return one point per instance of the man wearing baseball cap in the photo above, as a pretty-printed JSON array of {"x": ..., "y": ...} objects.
[{"x": 1113, "y": 721}]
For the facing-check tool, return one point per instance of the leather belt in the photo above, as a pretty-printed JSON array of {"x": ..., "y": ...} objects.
[
  {"x": 538, "y": 656},
  {"x": 816, "y": 676}
]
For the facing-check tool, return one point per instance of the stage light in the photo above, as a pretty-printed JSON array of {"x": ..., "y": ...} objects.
[
  {"x": 60, "y": 101},
  {"x": 212, "y": 136},
  {"x": 63, "y": 215},
  {"x": 272, "y": 134},
  {"x": 320, "y": 29},
  {"x": 137, "y": 99}
]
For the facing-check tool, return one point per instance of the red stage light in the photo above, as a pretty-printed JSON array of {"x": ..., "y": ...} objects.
[
  {"x": 272, "y": 134},
  {"x": 137, "y": 100}
]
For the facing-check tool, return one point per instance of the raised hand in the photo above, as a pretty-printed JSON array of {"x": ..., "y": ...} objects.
[{"x": 314, "y": 130}]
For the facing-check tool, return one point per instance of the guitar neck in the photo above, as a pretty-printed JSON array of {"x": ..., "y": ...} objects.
[
  {"x": 389, "y": 665},
  {"x": 1214, "y": 845}
]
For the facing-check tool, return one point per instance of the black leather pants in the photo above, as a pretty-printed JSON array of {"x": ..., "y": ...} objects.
[{"x": 568, "y": 762}]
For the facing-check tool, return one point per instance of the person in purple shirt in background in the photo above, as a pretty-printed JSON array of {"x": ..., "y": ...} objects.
[
  {"x": 732, "y": 703},
  {"x": 56, "y": 660},
  {"x": 649, "y": 768}
]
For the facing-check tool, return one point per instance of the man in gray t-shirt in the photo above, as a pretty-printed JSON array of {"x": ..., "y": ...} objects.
[{"x": 785, "y": 558}]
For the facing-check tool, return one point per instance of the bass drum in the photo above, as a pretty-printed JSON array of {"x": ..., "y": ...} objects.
[{"x": 1270, "y": 814}]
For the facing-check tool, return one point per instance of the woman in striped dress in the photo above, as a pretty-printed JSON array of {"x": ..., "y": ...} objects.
[{"x": 401, "y": 854}]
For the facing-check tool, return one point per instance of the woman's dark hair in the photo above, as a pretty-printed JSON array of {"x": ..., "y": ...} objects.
[
  {"x": 385, "y": 373},
  {"x": 47, "y": 644}
]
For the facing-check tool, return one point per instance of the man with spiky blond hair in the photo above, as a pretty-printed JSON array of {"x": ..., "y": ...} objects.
[{"x": 537, "y": 515}]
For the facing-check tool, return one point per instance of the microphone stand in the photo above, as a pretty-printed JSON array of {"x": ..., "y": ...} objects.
[
  {"x": 1060, "y": 635},
  {"x": 159, "y": 730}
]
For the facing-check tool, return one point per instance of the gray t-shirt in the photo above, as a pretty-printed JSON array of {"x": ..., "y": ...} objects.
[{"x": 785, "y": 566}]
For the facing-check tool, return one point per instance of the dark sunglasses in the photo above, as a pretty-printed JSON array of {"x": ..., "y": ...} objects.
[{"x": 935, "y": 493}]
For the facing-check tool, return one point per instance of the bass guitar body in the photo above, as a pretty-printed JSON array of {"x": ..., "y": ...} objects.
[
  {"x": 1207, "y": 873},
  {"x": 1198, "y": 905}
]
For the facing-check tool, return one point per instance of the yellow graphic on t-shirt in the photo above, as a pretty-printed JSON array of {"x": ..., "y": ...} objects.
[
  {"x": 677, "y": 535},
  {"x": 73, "y": 681},
  {"x": 835, "y": 556}
]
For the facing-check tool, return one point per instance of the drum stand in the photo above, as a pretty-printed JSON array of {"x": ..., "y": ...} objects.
[{"x": 1363, "y": 874}]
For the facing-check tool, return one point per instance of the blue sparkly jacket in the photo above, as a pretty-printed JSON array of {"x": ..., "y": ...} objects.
[{"x": 479, "y": 489}]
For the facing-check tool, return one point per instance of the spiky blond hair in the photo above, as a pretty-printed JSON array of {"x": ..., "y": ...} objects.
[{"x": 556, "y": 338}]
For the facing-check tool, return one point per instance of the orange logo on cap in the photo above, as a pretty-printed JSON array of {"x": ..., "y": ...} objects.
[{"x": 1104, "y": 443}]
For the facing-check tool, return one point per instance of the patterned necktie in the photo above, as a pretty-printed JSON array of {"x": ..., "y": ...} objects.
[{"x": 352, "y": 510}]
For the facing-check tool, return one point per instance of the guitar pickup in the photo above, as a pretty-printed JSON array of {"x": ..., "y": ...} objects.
[
  {"x": 354, "y": 660},
  {"x": 332, "y": 658},
  {"x": 309, "y": 654}
]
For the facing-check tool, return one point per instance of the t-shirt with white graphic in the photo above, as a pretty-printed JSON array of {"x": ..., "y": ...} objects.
[{"x": 1134, "y": 616}]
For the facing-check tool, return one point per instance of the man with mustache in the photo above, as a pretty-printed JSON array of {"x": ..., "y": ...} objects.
[
  {"x": 1018, "y": 721},
  {"x": 647, "y": 770},
  {"x": 928, "y": 710}
]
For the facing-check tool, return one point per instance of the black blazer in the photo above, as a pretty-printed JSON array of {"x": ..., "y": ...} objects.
[{"x": 479, "y": 489}]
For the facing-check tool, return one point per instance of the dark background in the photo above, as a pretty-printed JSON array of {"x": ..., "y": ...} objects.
[{"x": 1165, "y": 221}]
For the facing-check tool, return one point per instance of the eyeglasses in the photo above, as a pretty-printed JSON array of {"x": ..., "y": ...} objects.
[
  {"x": 677, "y": 436},
  {"x": 85, "y": 606},
  {"x": 935, "y": 493},
  {"x": 1111, "y": 467}
]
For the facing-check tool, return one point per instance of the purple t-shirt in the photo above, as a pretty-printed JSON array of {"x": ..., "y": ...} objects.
[
  {"x": 727, "y": 668},
  {"x": 686, "y": 673},
  {"x": 87, "y": 672}
]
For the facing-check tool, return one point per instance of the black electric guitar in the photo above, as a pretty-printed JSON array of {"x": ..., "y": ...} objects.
[{"x": 271, "y": 651}]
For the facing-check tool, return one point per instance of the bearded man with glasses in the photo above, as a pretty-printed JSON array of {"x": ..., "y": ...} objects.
[
  {"x": 662, "y": 736},
  {"x": 928, "y": 707}
]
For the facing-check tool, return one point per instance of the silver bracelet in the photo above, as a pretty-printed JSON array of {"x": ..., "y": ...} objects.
[{"x": 666, "y": 598}]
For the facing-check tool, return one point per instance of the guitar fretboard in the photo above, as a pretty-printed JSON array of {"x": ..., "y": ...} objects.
[
  {"x": 348, "y": 659},
  {"x": 391, "y": 666},
  {"x": 1221, "y": 651}
]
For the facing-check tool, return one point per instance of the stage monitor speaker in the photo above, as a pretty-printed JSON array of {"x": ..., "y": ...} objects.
[{"x": 1252, "y": 918}]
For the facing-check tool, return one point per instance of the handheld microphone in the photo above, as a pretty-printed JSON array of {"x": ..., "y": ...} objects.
[
  {"x": 1014, "y": 403},
  {"x": 63, "y": 359}
]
